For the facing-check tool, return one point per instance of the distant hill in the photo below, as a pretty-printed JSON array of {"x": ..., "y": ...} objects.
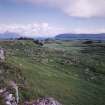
[
  {"x": 9, "y": 35},
  {"x": 65, "y": 36},
  {"x": 70, "y": 36}
]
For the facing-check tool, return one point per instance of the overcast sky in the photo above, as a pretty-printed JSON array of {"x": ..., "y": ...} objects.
[{"x": 51, "y": 17}]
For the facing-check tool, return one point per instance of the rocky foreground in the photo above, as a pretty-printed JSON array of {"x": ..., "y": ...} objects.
[{"x": 10, "y": 98}]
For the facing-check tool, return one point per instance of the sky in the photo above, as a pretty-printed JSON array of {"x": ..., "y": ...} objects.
[{"x": 47, "y": 18}]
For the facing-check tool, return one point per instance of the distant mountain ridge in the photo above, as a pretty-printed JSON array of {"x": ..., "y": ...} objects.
[
  {"x": 9, "y": 35},
  {"x": 70, "y": 36},
  {"x": 65, "y": 36}
]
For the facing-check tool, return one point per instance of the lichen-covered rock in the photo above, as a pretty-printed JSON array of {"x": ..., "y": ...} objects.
[
  {"x": 8, "y": 98},
  {"x": 43, "y": 101}
]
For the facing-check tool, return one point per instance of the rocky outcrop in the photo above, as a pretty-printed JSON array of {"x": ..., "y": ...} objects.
[
  {"x": 8, "y": 98},
  {"x": 44, "y": 101},
  {"x": 2, "y": 55}
]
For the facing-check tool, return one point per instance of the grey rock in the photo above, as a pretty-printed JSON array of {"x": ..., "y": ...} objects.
[{"x": 44, "y": 101}]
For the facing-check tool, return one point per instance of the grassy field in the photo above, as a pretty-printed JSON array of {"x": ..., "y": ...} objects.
[{"x": 71, "y": 72}]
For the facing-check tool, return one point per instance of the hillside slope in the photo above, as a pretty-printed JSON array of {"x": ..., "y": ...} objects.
[{"x": 71, "y": 72}]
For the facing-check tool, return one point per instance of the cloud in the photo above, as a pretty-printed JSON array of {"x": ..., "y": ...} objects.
[
  {"x": 75, "y": 8},
  {"x": 44, "y": 29},
  {"x": 87, "y": 30},
  {"x": 32, "y": 30},
  {"x": 86, "y": 8}
]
